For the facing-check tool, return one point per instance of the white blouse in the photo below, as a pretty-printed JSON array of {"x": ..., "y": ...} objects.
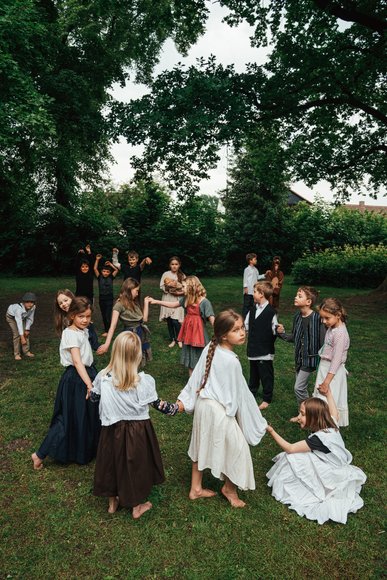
[
  {"x": 130, "y": 405},
  {"x": 227, "y": 385},
  {"x": 79, "y": 339}
]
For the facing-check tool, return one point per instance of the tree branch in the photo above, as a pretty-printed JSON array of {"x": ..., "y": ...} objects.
[{"x": 352, "y": 14}]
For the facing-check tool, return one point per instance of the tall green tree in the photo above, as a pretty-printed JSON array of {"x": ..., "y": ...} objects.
[{"x": 322, "y": 89}]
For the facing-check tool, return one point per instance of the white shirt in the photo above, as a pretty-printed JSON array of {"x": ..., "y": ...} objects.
[
  {"x": 75, "y": 339},
  {"x": 227, "y": 385},
  {"x": 259, "y": 309},
  {"x": 130, "y": 405},
  {"x": 20, "y": 314},
  {"x": 250, "y": 277}
]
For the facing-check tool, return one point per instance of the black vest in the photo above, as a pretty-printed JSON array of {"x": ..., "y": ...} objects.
[{"x": 261, "y": 339}]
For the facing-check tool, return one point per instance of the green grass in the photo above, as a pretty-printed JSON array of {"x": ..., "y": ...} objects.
[{"x": 53, "y": 527}]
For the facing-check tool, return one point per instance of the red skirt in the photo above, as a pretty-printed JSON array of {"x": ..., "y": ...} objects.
[
  {"x": 128, "y": 462},
  {"x": 192, "y": 330}
]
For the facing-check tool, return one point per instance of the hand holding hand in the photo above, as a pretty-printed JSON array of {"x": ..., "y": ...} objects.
[
  {"x": 269, "y": 429},
  {"x": 102, "y": 349},
  {"x": 280, "y": 329},
  {"x": 89, "y": 387},
  {"x": 323, "y": 388}
]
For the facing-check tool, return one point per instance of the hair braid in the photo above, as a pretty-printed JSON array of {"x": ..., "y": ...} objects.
[{"x": 210, "y": 356}]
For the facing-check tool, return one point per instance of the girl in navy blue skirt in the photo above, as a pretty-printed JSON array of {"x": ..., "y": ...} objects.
[{"x": 75, "y": 425}]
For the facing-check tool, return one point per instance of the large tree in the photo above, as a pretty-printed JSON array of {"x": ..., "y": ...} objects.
[{"x": 322, "y": 91}]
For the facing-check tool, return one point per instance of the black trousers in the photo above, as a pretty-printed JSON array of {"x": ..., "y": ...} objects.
[
  {"x": 248, "y": 301},
  {"x": 173, "y": 328},
  {"x": 106, "y": 307},
  {"x": 262, "y": 371}
]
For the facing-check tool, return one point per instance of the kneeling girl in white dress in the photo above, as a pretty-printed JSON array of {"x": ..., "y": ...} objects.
[
  {"x": 315, "y": 477},
  {"x": 226, "y": 416}
]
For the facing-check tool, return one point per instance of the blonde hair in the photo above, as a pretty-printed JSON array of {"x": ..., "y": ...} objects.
[
  {"x": 125, "y": 360},
  {"x": 334, "y": 306},
  {"x": 194, "y": 290},
  {"x": 224, "y": 322},
  {"x": 125, "y": 296},
  {"x": 266, "y": 288}
]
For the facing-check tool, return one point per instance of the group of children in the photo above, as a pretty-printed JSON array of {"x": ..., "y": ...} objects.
[{"x": 314, "y": 477}]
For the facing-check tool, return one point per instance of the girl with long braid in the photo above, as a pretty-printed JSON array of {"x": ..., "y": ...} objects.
[{"x": 226, "y": 415}]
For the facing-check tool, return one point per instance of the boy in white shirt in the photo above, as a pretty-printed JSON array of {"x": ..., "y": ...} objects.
[
  {"x": 250, "y": 277},
  {"x": 20, "y": 318}
]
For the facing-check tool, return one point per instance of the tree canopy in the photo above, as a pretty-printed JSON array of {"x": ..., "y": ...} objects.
[{"x": 322, "y": 92}]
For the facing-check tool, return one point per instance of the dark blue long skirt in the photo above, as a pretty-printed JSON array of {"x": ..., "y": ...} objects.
[{"x": 75, "y": 426}]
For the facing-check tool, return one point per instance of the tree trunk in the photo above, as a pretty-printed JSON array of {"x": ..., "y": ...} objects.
[{"x": 381, "y": 288}]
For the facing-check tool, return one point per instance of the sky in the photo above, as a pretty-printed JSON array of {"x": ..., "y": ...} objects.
[{"x": 230, "y": 46}]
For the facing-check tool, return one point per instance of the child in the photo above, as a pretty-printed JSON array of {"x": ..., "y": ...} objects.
[
  {"x": 105, "y": 282},
  {"x": 128, "y": 459},
  {"x": 314, "y": 477},
  {"x": 197, "y": 310},
  {"x": 276, "y": 277},
  {"x": 171, "y": 286},
  {"x": 331, "y": 371},
  {"x": 84, "y": 275},
  {"x": 62, "y": 304},
  {"x": 128, "y": 310},
  {"x": 20, "y": 318},
  {"x": 132, "y": 269},
  {"x": 75, "y": 426},
  {"x": 308, "y": 336},
  {"x": 226, "y": 417},
  {"x": 261, "y": 322},
  {"x": 250, "y": 277}
]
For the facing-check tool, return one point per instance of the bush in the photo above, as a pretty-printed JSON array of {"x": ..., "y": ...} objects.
[{"x": 350, "y": 266}]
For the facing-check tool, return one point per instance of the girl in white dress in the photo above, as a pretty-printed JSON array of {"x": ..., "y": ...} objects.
[
  {"x": 226, "y": 415},
  {"x": 331, "y": 371},
  {"x": 171, "y": 286},
  {"x": 315, "y": 477}
]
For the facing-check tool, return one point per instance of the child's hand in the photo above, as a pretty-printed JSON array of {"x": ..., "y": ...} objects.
[
  {"x": 81, "y": 251},
  {"x": 88, "y": 248},
  {"x": 269, "y": 429},
  {"x": 98, "y": 256},
  {"x": 89, "y": 388},
  {"x": 26, "y": 333},
  {"x": 149, "y": 299},
  {"x": 115, "y": 250},
  {"x": 180, "y": 405},
  {"x": 323, "y": 388},
  {"x": 23, "y": 340},
  {"x": 102, "y": 349},
  {"x": 148, "y": 261},
  {"x": 280, "y": 329}
]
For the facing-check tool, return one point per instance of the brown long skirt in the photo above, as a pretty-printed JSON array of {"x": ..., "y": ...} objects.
[{"x": 128, "y": 462}]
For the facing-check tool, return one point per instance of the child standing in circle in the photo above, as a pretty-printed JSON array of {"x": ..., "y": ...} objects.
[
  {"x": 133, "y": 269},
  {"x": 315, "y": 477},
  {"x": 276, "y": 277},
  {"x": 20, "y": 317},
  {"x": 172, "y": 287},
  {"x": 62, "y": 304},
  {"x": 197, "y": 310},
  {"x": 226, "y": 416},
  {"x": 128, "y": 459},
  {"x": 84, "y": 274},
  {"x": 128, "y": 310},
  {"x": 75, "y": 426},
  {"x": 105, "y": 279},
  {"x": 331, "y": 371}
]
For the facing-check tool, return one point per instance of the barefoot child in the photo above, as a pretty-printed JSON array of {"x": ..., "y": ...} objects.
[
  {"x": 315, "y": 477},
  {"x": 226, "y": 416},
  {"x": 128, "y": 459},
  {"x": 75, "y": 426},
  {"x": 331, "y": 371},
  {"x": 20, "y": 317}
]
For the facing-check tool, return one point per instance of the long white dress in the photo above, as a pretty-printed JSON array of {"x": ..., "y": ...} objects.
[
  {"x": 226, "y": 419},
  {"x": 176, "y": 313},
  {"x": 320, "y": 486}
]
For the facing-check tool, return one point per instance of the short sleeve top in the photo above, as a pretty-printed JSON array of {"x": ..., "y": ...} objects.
[
  {"x": 128, "y": 316},
  {"x": 75, "y": 339}
]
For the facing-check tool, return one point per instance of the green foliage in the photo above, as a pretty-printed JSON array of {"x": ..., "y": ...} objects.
[{"x": 350, "y": 266}]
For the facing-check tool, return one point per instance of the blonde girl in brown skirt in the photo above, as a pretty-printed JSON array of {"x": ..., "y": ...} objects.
[{"x": 128, "y": 460}]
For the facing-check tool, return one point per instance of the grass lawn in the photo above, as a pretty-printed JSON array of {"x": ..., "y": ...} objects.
[{"x": 53, "y": 527}]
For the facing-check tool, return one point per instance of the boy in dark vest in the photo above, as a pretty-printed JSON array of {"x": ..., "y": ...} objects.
[{"x": 261, "y": 322}]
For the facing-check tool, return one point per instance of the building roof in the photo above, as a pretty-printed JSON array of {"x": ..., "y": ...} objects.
[{"x": 361, "y": 206}]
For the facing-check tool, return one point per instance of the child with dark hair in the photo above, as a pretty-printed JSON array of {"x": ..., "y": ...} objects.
[
  {"x": 171, "y": 284},
  {"x": 331, "y": 371},
  {"x": 226, "y": 416},
  {"x": 315, "y": 477},
  {"x": 84, "y": 273},
  {"x": 276, "y": 277},
  {"x": 63, "y": 300},
  {"x": 20, "y": 317},
  {"x": 105, "y": 276}
]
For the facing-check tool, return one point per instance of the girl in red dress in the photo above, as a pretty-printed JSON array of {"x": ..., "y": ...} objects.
[{"x": 198, "y": 310}]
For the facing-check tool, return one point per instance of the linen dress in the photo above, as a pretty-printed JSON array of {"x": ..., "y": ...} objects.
[
  {"x": 132, "y": 320},
  {"x": 128, "y": 459},
  {"x": 193, "y": 333},
  {"x": 320, "y": 486},
  {"x": 175, "y": 313},
  {"x": 75, "y": 425},
  {"x": 226, "y": 419}
]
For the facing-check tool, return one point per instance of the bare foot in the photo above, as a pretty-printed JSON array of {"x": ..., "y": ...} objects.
[
  {"x": 104, "y": 334},
  {"x": 180, "y": 344},
  {"x": 233, "y": 498},
  {"x": 263, "y": 405},
  {"x": 30, "y": 355},
  {"x": 38, "y": 463},
  {"x": 113, "y": 504},
  {"x": 293, "y": 419},
  {"x": 172, "y": 344},
  {"x": 141, "y": 509},
  {"x": 197, "y": 494},
  {"x": 17, "y": 357}
]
